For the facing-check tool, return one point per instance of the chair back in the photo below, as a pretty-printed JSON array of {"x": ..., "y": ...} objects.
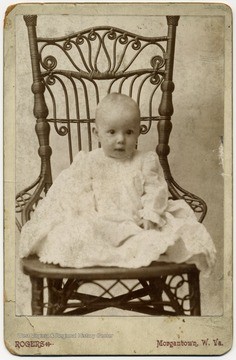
[{"x": 72, "y": 73}]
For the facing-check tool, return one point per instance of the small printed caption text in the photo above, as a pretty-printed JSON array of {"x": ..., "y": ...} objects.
[
  {"x": 39, "y": 340},
  {"x": 44, "y": 340}
]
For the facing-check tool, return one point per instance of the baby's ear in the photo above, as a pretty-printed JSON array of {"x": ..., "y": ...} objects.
[{"x": 95, "y": 131}]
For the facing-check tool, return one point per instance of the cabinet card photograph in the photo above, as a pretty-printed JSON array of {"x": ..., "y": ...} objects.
[{"x": 118, "y": 179}]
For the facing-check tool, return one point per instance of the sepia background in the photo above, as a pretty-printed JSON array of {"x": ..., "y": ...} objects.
[{"x": 196, "y": 156}]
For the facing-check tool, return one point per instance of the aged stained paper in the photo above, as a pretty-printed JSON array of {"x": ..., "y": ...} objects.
[{"x": 202, "y": 140}]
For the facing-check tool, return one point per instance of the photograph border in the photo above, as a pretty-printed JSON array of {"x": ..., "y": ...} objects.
[{"x": 211, "y": 327}]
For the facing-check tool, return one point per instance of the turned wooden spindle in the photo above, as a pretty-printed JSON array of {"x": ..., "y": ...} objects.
[
  {"x": 166, "y": 107},
  {"x": 37, "y": 295},
  {"x": 40, "y": 108}
]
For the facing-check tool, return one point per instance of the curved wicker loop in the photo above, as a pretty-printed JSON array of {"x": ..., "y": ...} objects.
[
  {"x": 23, "y": 197},
  {"x": 176, "y": 284},
  {"x": 21, "y": 200},
  {"x": 49, "y": 63},
  {"x": 197, "y": 204},
  {"x": 27, "y": 201}
]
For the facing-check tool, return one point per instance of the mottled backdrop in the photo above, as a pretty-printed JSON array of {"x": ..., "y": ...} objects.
[{"x": 196, "y": 156}]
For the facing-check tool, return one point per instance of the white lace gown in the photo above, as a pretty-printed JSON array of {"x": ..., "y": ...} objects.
[{"x": 93, "y": 212}]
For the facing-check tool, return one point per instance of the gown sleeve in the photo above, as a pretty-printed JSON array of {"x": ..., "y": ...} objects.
[
  {"x": 155, "y": 196},
  {"x": 70, "y": 194}
]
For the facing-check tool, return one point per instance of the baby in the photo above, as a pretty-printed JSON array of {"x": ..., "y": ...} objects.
[
  {"x": 118, "y": 128},
  {"x": 111, "y": 207}
]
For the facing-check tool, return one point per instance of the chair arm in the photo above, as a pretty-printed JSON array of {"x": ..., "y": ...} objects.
[
  {"x": 26, "y": 201},
  {"x": 197, "y": 204}
]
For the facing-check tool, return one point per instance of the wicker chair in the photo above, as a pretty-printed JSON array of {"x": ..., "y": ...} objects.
[{"x": 100, "y": 60}]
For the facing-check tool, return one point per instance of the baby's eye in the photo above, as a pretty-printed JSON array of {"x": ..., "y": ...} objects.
[
  {"x": 112, "y": 132},
  {"x": 129, "y": 132}
]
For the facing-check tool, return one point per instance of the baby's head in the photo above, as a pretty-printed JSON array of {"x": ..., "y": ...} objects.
[{"x": 117, "y": 123}]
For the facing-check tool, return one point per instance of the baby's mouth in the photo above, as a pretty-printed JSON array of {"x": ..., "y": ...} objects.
[{"x": 120, "y": 149}]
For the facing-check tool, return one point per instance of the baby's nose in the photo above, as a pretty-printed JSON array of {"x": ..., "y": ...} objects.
[{"x": 120, "y": 139}]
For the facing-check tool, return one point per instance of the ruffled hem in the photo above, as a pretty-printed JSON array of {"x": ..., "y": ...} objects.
[
  {"x": 132, "y": 247},
  {"x": 139, "y": 251}
]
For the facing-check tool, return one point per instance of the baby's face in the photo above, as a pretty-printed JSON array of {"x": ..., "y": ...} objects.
[{"x": 118, "y": 134}]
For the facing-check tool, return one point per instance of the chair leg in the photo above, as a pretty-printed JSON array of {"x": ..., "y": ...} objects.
[
  {"x": 37, "y": 296},
  {"x": 52, "y": 296},
  {"x": 194, "y": 291},
  {"x": 156, "y": 294}
]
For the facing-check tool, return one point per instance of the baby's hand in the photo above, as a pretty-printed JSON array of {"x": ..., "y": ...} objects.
[{"x": 146, "y": 224}]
